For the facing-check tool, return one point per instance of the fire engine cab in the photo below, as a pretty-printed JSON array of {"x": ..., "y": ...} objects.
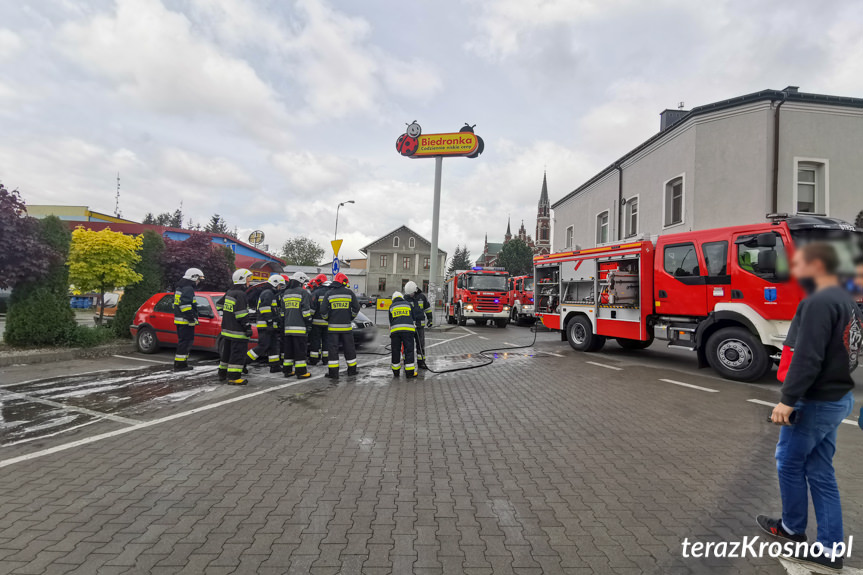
[
  {"x": 724, "y": 293},
  {"x": 521, "y": 298},
  {"x": 480, "y": 294}
]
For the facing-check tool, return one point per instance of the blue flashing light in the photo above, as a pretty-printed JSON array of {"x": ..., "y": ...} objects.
[
  {"x": 476, "y": 268},
  {"x": 497, "y": 301}
]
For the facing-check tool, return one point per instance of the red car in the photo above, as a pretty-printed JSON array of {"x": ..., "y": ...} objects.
[{"x": 153, "y": 325}]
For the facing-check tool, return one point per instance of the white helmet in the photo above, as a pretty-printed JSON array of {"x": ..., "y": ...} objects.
[
  {"x": 300, "y": 277},
  {"x": 240, "y": 275},
  {"x": 193, "y": 274},
  {"x": 397, "y": 295},
  {"x": 411, "y": 288},
  {"x": 276, "y": 280}
]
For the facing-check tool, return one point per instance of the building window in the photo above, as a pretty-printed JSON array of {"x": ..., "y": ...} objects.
[
  {"x": 570, "y": 231},
  {"x": 382, "y": 284},
  {"x": 396, "y": 242},
  {"x": 384, "y": 261},
  {"x": 406, "y": 263},
  {"x": 426, "y": 262},
  {"x": 425, "y": 286},
  {"x": 810, "y": 187},
  {"x": 404, "y": 283},
  {"x": 673, "y": 201},
  {"x": 631, "y": 215},
  {"x": 412, "y": 243},
  {"x": 602, "y": 227}
]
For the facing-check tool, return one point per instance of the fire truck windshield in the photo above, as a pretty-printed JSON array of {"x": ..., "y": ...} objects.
[
  {"x": 848, "y": 244},
  {"x": 528, "y": 284},
  {"x": 486, "y": 282}
]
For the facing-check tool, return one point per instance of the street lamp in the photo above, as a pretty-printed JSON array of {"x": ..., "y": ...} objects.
[{"x": 336, "y": 233}]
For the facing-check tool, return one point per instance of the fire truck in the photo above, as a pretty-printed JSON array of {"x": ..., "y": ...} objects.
[
  {"x": 480, "y": 294},
  {"x": 724, "y": 293},
  {"x": 521, "y": 298}
]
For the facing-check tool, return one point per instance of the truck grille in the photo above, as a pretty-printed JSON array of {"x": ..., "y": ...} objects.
[{"x": 486, "y": 304}]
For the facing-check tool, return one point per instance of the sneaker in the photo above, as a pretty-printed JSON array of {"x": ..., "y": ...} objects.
[
  {"x": 774, "y": 527},
  {"x": 820, "y": 564}
]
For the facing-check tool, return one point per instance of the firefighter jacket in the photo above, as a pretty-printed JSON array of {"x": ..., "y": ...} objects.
[
  {"x": 421, "y": 302},
  {"x": 297, "y": 303},
  {"x": 340, "y": 307},
  {"x": 235, "y": 314},
  {"x": 268, "y": 308},
  {"x": 403, "y": 316},
  {"x": 185, "y": 306},
  {"x": 318, "y": 294}
]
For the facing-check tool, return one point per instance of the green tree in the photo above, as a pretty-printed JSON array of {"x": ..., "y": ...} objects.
[
  {"x": 302, "y": 251},
  {"x": 460, "y": 260},
  {"x": 152, "y": 281},
  {"x": 39, "y": 311},
  {"x": 859, "y": 221},
  {"x": 102, "y": 261},
  {"x": 516, "y": 257}
]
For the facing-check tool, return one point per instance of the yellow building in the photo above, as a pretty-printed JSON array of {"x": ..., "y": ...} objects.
[{"x": 74, "y": 214}]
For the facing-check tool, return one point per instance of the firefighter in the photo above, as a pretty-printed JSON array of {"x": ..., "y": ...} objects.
[
  {"x": 415, "y": 296},
  {"x": 236, "y": 329},
  {"x": 267, "y": 321},
  {"x": 297, "y": 303},
  {"x": 403, "y": 316},
  {"x": 186, "y": 316},
  {"x": 339, "y": 309},
  {"x": 318, "y": 334}
]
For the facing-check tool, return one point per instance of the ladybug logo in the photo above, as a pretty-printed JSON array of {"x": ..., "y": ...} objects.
[
  {"x": 407, "y": 145},
  {"x": 414, "y": 130}
]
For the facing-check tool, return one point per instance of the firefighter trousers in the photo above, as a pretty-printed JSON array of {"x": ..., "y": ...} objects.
[
  {"x": 185, "y": 338},
  {"x": 294, "y": 349},
  {"x": 268, "y": 346},
  {"x": 233, "y": 356},
  {"x": 421, "y": 343},
  {"x": 346, "y": 339},
  {"x": 319, "y": 345},
  {"x": 406, "y": 340}
]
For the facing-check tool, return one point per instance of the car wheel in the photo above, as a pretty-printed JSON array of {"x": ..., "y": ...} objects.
[
  {"x": 580, "y": 335},
  {"x": 462, "y": 320},
  {"x": 147, "y": 341},
  {"x": 737, "y": 354}
]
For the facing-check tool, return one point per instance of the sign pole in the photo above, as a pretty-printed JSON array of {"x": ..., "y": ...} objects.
[{"x": 433, "y": 262}]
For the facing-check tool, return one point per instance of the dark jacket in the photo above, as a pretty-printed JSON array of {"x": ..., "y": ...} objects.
[
  {"x": 318, "y": 294},
  {"x": 268, "y": 308},
  {"x": 421, "y": 302},
  {"x": 827, "y": 337},
  {"x": 404, "y": 316},
  {"x": 339, "y": 308},
  {"x": 297, "y": 303},
  {"x": 185, "y": 306},
  {"x": 235, "y": 314}
]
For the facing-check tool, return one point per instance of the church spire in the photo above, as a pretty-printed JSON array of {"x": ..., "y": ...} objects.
[
  {"x": 508, "y": 235},
  {"x": 543, "y": 196}
]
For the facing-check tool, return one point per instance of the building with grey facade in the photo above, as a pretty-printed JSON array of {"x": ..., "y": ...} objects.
[
  {"x": 398, "y": 257},
  {"x": 727, "y": 163}
]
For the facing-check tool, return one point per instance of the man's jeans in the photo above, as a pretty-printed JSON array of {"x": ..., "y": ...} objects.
[{"x": 805, "y": 454}]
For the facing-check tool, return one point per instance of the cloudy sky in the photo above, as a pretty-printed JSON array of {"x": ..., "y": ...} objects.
[{"x": 270, "y": 112}]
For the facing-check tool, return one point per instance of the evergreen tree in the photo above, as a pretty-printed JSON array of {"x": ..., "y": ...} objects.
[
  {"x": 516, "y": 257},
  {"x": 460, "y": 260}
]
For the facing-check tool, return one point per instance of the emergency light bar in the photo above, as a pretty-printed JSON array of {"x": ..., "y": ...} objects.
[{"x": 483, "y": 269}]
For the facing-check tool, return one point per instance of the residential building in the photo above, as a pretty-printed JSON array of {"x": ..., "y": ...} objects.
[
  {"x": 726, "y": 163},
  {"x": 398, "y": 257}
]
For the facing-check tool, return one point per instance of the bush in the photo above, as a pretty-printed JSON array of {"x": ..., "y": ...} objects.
[
  {"x": 83, "y": 336},
  {"x": 152, "y": 281}
]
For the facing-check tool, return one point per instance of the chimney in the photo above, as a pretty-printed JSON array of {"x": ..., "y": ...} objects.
[
  {"x": 791, "y": 89},
  {"x": 668, "y": 118}
]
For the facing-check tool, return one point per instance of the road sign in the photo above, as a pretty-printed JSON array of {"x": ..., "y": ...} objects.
[
  {"x": 384, "y": 304},
  {"x": 337, "y": 244},
  {"x": 256, "y": 238},
  {"x": 335, "y": 266},
  {"x": 356, "y": 286}
]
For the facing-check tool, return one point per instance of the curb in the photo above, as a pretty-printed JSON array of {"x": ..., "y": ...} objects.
[{"x": 53, "y": 356}]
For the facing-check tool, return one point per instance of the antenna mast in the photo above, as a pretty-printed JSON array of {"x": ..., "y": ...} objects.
[{"x": 117, "y": 198}]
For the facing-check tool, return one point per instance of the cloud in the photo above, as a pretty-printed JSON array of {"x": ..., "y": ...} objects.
[
  {"x": 10, "y": 43},
  {"x": 215, "y": 172},
  {"x": 314, "y": 172}
]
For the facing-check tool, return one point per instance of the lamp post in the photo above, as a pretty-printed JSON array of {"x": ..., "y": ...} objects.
[{"x": 336, "y": 233}]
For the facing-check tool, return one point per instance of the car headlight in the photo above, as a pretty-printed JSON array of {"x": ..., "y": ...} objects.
[
  {"x": 506, "y": 308},
  {"x": 468, "y": 307}
]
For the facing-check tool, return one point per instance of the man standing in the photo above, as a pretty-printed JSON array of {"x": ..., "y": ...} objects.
[
  {"x": 297, "y": 303},
  {"x": 236, "y": 329},
  {"x": 417, "y": 298},
  {"x": 339, "y": 309},
  {"x": 186, "y": 316},
  {"x": 403, "y": 316},
  {"x": 318, "y": 333},
  {"x": 825, "y": 336},
  {"x": 267, "y": 318}
]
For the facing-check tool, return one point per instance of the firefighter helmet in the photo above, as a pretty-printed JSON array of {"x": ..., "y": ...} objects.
[
  {"x": 241, "y": 275},
  {"x": 276, "y": 280},
  {"x": 411, "y": 288},
  {"x": 193, "y": 274},
  {"x": 398, "y": 295},
  {"x": 320, "y": 279},
  {"x": 301, "y": 278},
  {"x": 342, "y": 279}
]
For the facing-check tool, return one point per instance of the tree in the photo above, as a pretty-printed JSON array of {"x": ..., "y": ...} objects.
[
  {"x": 516, "y": 257},
  {"x": 217, "y": 225},
  {"x": 176, "y": 220},
  {"x": 302, "y": 251},
  {"x": 859, "y": 221},
  {"x": 152, "y": 281},
  {"x": 102, "y": 261},
  {"x": 149, "y": 218},
  {"x": 460, "y": 260},
  {"x": 24, "y": 256},
  {"x": 39, "y": 311},
  {"x": 217, "y": 262}
]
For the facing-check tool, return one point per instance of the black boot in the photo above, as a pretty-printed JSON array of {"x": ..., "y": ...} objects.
[
  {"x": 396, "y": 373},
  {"x": 333, "y": 373},
  {"x": 223, "y": 374},
  {"x": 302, "y": 372},
  {"x": 275, "y": 368},
  {"x": 352, "y": 370},
  {"x": 288, "y": 370},
  {"x": 182, "y": 366},
  {"x": 422, "y": 364},
  {"x": 313, "y": 361}
]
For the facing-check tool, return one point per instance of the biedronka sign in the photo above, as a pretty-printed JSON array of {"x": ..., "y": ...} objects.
[{"x": 464, "y": 143}]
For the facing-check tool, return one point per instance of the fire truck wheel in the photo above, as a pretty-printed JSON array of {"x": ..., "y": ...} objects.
[
  {"x": 737, "y": 354},
  {"x": 462, "y": 320},
  {"x": 501, "y": 322},
  {"x": 633, "y": 343},
  {"x": 580, "y": 335},
  {"x": 480, "y": 322}
]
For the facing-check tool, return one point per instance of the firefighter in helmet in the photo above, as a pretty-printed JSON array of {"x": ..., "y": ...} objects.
[
  {"x": 415, "y": 296},
  {"x": 403, "y": 315},
  {"x": 186, "y": 316},
  {"x": 236, "y": 329},
  {"x": 267, "y": 321},
  {"x": 339, "y": 309},
  {"x": 297, "y": 303},
  {"x": 318, "y": 334}
]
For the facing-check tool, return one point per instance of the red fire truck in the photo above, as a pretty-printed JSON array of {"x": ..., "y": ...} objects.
[
  {"x": 479, "y": 294},
  {"x": 521, "y": 298},
  {"x": 724, "y": 293}
]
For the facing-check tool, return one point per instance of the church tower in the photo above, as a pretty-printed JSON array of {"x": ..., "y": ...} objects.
[
  {"x": 543, "y": 221},
  {"x": 508, "y": 235}
]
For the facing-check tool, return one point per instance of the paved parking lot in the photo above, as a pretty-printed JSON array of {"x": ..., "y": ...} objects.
[{"x": 546, "y": 461}]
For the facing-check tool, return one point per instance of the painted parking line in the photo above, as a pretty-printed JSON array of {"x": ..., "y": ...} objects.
[
  {"x": 689, "y": 385},
  {"x": 182, "y": 414},
  {"x": 144, "y": 359},
  {"x": 606, "y": 366},
  {"x": 773, "y": 404},
  {"x": 483, "y": 337},
  {"x": 57, "y": 404},
  {"x": 554, "y": 354}
]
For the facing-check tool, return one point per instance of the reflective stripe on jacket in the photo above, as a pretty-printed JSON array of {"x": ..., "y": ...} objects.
[
  {"x": 268, "y": 307},
  {"x": 339, "y": 308},
  {"x": 235, "y": 314},
  {"x": 185, "y": 306},
  {"x": 402, "y": 315},
  {"x": 298, "y": 309}
]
